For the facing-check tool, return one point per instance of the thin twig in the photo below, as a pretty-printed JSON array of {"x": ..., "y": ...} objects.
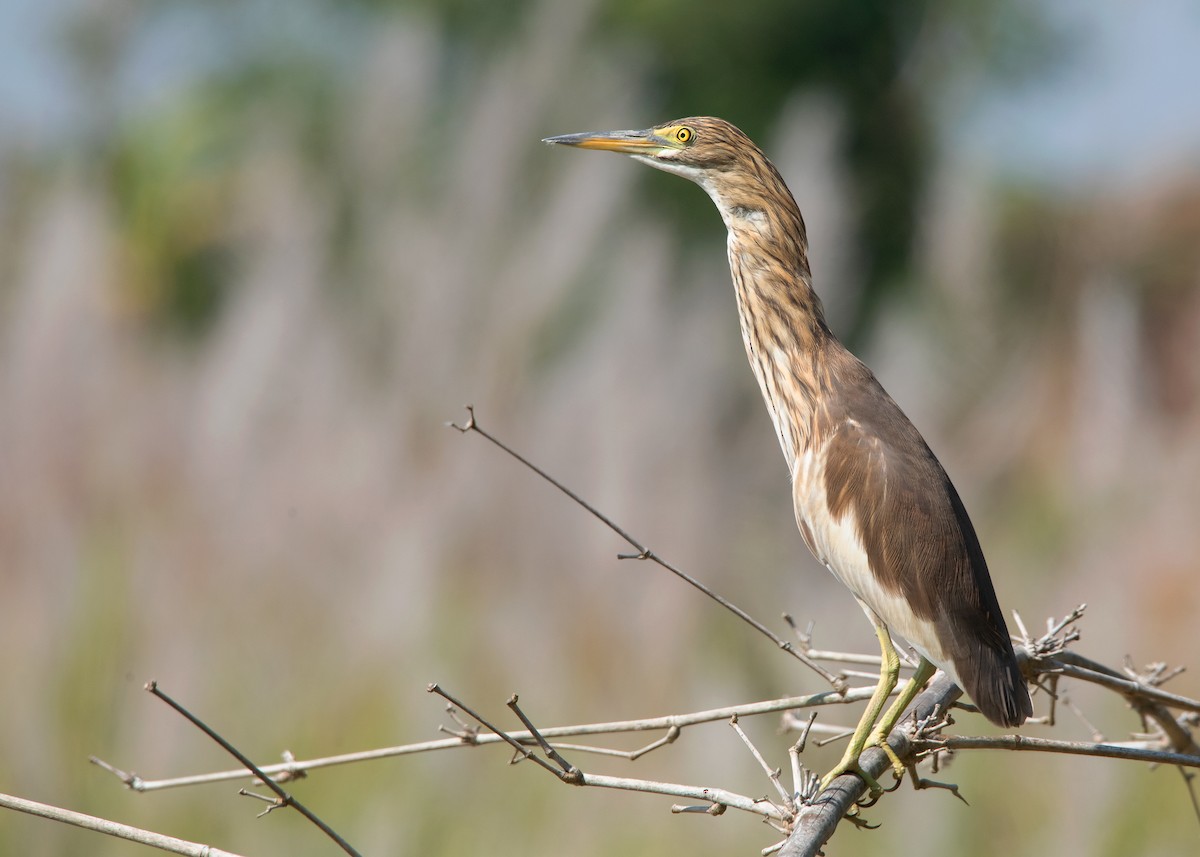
[
  {"x": 566, "y": 766},
  {"x": 1078, "y": 667},
  {"x": 521, "y": 750},
  {"x": 644, "y": 553},
  {"x": 772, "y": 773},
  {"x": 672, "y": 733},
  {"x": 1131, "y": 751},
  {"x": 574, "y": 776},
  {"x": 112, "y": 828},
  {"x": 1090, "y": 670},
  {"x": 1189, "y": 782},
  {"x": 718, "y": 797},
  {"x": 806, "y": 731},
  {"x": 1064, "y": 698},
  {"x": 285, "y": 799},
  {"x": 804, "y": 639}
]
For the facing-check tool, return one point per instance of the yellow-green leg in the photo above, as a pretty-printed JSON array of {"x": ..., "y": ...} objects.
[
  {"x": 889, "y": 674},
  {"x": 889, "y": 720}
]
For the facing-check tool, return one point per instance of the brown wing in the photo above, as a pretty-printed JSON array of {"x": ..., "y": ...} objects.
[{"x": 919, "y": 540}]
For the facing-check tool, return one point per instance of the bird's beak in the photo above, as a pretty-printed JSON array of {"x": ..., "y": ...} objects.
[{"x": 627, "y": 142}]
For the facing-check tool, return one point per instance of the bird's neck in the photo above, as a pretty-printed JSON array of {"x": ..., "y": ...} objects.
[{"x": 783, "y": 324}]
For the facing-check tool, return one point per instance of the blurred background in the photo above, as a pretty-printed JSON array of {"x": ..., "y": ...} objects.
[{"x": 254, "y": 255}]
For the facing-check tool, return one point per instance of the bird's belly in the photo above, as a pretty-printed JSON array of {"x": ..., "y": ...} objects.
[{"x": 836, "y": 544}]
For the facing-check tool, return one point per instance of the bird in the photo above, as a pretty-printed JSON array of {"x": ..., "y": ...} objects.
[{"x": 871, "y": 500}]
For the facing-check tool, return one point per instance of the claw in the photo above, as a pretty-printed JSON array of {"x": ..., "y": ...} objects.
[
  {"x": 852, "y": 766},
  {"x": 898, "y": 767}
]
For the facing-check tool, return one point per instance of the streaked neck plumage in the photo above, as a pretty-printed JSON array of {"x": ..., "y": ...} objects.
[{"x": 783, "y": 323}]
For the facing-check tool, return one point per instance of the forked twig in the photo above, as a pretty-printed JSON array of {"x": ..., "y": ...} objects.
[
  {"x": 568, "y": 769},
  {"x": 520, "y": 749},
  {"x": 574, "y": 776},
  {"x": 772, "y": 773}
]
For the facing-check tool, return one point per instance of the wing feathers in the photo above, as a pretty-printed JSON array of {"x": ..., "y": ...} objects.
[{"x": 920, "y": 545}]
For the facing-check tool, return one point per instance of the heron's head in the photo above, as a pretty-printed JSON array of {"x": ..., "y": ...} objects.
[
  {"x": 709, "y": 151},
  {"x": 700, "y": 148}
]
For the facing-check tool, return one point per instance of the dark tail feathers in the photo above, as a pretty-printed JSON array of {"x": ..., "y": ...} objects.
[{"x": 994, "y": 682}]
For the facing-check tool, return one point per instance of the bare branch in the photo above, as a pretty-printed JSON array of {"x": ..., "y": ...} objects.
[
  {"x": 574, "y": 776},
  {"x": 112, "y": 828},
  {"x": 1189, "y": 782},
  {"x": 644, "y": 553},
  {"x": 814, "y": 821},
  {"x": 1132, "y": 751},
  {"x": 1077, "y": 666},
  {"x": 521, "y": 751},
  {"x": 285, "y": 799},
  {"x": 1064, "y": 698},
  {"x": 717, "y": 797},
  {"x": 1149, "y": 701},
  {"x": 772, "y": 773},
  {"x": 566, "y": 766},
  {"x": 804, "y": 640},
  {"x": 671, "y": 722}
]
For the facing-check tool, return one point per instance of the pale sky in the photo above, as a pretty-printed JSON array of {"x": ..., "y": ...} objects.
[{"x": 1127, "y": 106}]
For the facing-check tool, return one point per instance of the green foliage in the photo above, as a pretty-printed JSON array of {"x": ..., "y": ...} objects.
[{"x": 172, "y": 178}]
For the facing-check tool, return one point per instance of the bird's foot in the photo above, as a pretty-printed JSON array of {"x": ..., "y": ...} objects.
[{"x": 849, "y": 765}]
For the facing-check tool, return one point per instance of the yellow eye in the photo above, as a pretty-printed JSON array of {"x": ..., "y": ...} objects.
[{"x": 684, "y": 135}]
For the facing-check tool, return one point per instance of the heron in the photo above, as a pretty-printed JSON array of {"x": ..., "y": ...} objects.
[{"x": 872, "y": 502}]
